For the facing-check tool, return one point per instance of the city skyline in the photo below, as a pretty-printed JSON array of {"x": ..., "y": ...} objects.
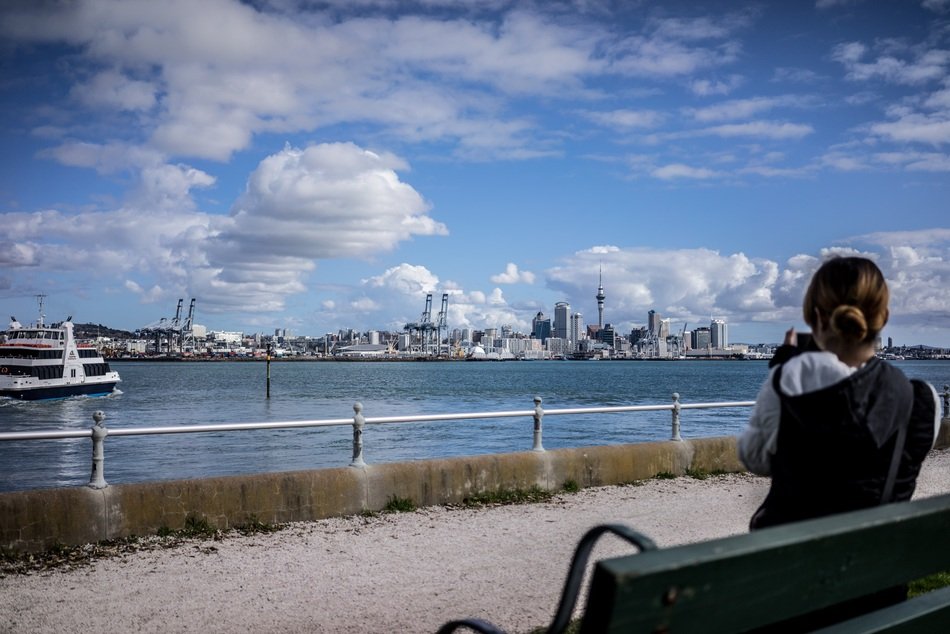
[{"x": 323, "y": 166}]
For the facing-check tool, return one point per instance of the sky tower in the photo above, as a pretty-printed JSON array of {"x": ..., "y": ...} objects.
[{"x": 600, "y": 299}]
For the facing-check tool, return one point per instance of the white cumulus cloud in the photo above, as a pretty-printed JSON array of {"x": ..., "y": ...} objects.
[{"x": 513, "y": 275}]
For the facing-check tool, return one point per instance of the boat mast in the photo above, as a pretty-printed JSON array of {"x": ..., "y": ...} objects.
[{"x": 39, "y": 299}]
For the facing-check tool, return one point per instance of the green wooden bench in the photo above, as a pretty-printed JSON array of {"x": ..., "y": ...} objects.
[{"x": 767, "y": 578}]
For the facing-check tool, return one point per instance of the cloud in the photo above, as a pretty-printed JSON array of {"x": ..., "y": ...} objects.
[
  {"x": 707, "y": 87},
  {"x": 689, "y": 285},
  {"x": 916, "y": 161},
  {"x": 513, "y": 276},
  {"x": 831, "y": 4},
  {"x": 925, "y": 64},
  {"x": 670, "y": 46},
  {"x": 626, "y": 119},
  {"x": 300, "y": 206},
  {"x": 398, "y": 295},
  {"x": 937, "y": 6},
  {"x": 916, "y": 128},
  {"x": 678, "y": 170},
  {"x": 325, "y": 201},
  {"x": 110, "y": 89},
  {"x": 207, "y": 79},
  {"x": 742, "y": 108}
]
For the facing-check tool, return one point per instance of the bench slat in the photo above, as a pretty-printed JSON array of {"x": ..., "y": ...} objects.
[
  {"x": 925, "y": 613},
  {"x": 746, "y": 581}
]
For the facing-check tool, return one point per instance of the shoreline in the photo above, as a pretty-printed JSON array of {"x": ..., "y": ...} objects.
[{"x": 389, "y": 572}]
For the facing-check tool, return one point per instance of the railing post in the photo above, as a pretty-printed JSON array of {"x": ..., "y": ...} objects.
[
  {"x": 358, "y": 422},
  {"x": 97, "y": 478},
  {"x": 538, "y": 417},
  {"x": 676, "y": 417},
  {"x": 946, "y": 403}
]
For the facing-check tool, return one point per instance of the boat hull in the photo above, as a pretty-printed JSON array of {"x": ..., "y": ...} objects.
[{"x": 46, "y": 392}]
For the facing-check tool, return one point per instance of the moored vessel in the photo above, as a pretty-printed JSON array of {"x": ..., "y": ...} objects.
[{"x": 45, "y": 362}]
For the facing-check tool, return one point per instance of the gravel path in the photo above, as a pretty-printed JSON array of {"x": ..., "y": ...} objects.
[{"x": 406, "y": 572}]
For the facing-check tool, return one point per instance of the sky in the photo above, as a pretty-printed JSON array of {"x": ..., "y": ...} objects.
[{"x": 319, "y": 166}]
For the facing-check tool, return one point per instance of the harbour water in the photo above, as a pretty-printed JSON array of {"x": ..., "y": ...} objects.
[{"x": 195, "y": 393}]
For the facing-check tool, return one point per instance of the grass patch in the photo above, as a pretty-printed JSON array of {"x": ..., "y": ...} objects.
[
  {"x": 508, "y": 496},
  {"x": 198, "y": 527},
  {"x": 254, "y": 526},
  {"x": 932, "y": 582},
  {"x": 665, "y": 475},
  {"x": 399, "y": 505},
  {"x": 61, "y": 556},
  {"x": 571, "y": 486}
]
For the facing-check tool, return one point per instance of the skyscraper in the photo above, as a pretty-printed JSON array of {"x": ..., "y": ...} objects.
[
  {"x": 719, "y": 334},
  {"x": 541, "y": 327},
  {"x": 653, "y": 322},
  {"x": 577, "y": 328},
  {"x": 562, "y": 320},
  {"x": 600, "y": 299}
]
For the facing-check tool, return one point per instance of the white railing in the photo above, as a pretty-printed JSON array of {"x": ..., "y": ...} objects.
[{"x": 98, "y": 432}]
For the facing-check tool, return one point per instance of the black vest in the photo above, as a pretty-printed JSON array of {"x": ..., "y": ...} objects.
[{"x": 835, "y": 445}]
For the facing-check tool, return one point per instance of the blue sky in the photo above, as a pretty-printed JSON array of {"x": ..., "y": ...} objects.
[{"x": 323, "y": 165}]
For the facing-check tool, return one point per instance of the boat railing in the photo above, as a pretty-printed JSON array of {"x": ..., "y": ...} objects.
[{"x": 98, "y": 432}]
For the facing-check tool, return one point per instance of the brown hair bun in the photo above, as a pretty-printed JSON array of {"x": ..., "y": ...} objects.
[
  {"x": 848, "y": 322},
  {"x": 850, "y": 297}
]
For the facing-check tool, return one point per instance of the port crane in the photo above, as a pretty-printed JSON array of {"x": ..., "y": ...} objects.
[
  {"x": 426, "y": 329},
  {"x": 173, "y": 334}
]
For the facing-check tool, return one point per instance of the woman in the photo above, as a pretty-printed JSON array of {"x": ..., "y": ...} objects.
[{"x": 837, "y": 428}]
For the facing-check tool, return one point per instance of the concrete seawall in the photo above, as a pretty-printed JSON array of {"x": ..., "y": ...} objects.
[
  {"x": 32, "y": 521},
  {"x": 36, "y": 520}
]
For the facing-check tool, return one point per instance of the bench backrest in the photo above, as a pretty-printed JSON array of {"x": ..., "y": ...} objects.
[{"x": 752, "y": 580}]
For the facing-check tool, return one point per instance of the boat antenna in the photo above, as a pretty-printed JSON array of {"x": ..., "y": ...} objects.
[{"x": 39, "y": 299}]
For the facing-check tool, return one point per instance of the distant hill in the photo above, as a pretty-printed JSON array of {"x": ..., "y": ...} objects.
[{"x": 91, "y": 331}]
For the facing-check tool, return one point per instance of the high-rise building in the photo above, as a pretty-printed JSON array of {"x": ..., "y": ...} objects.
[
  {"x": 600, "y": 299},
  {"x": 541, "y": 327},
  {"x": 653, "y": 322},
  {"x": 562, "y": 320},
  {"x": 700, "y": 338},
  {"x": 719, "y": 334},
  {"x": 607, "y": 335},
  {"x": 577, "y": 328}
]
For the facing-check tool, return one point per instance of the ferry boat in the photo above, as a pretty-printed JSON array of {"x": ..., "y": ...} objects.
[{"x": 44, "y": 362}]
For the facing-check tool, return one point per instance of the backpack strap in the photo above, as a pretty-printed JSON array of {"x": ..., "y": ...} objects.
[{"x": 895, "y": 462}]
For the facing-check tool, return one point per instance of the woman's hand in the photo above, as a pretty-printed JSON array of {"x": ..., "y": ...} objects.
[{"x": 791, "y": 337}]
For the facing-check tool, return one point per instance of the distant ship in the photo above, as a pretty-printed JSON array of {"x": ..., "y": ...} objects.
[{"x": 44, "y": 362}]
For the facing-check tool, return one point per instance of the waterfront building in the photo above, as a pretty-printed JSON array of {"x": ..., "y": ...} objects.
[
  {"x": 540, "y": 327},
  {"x": 221, "y": 337},
  {"x": 373, "y": 337},
  {"x": 562, "y": 313},
  {"x": 700, "y": 338},
  {"x": 577, "y": 328},
  {"x": 607, "y": 335},
  {"x": 557, "y": 347},
  {"x": 653, "y": 322},
  {"x": 719, "y": 334}
]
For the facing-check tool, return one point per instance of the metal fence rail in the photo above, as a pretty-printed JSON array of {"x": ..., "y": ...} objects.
[{"x": 98, "y": 431}]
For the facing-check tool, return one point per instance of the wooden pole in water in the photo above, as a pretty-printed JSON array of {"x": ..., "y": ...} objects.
[{"x": 268, "y": 370}]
